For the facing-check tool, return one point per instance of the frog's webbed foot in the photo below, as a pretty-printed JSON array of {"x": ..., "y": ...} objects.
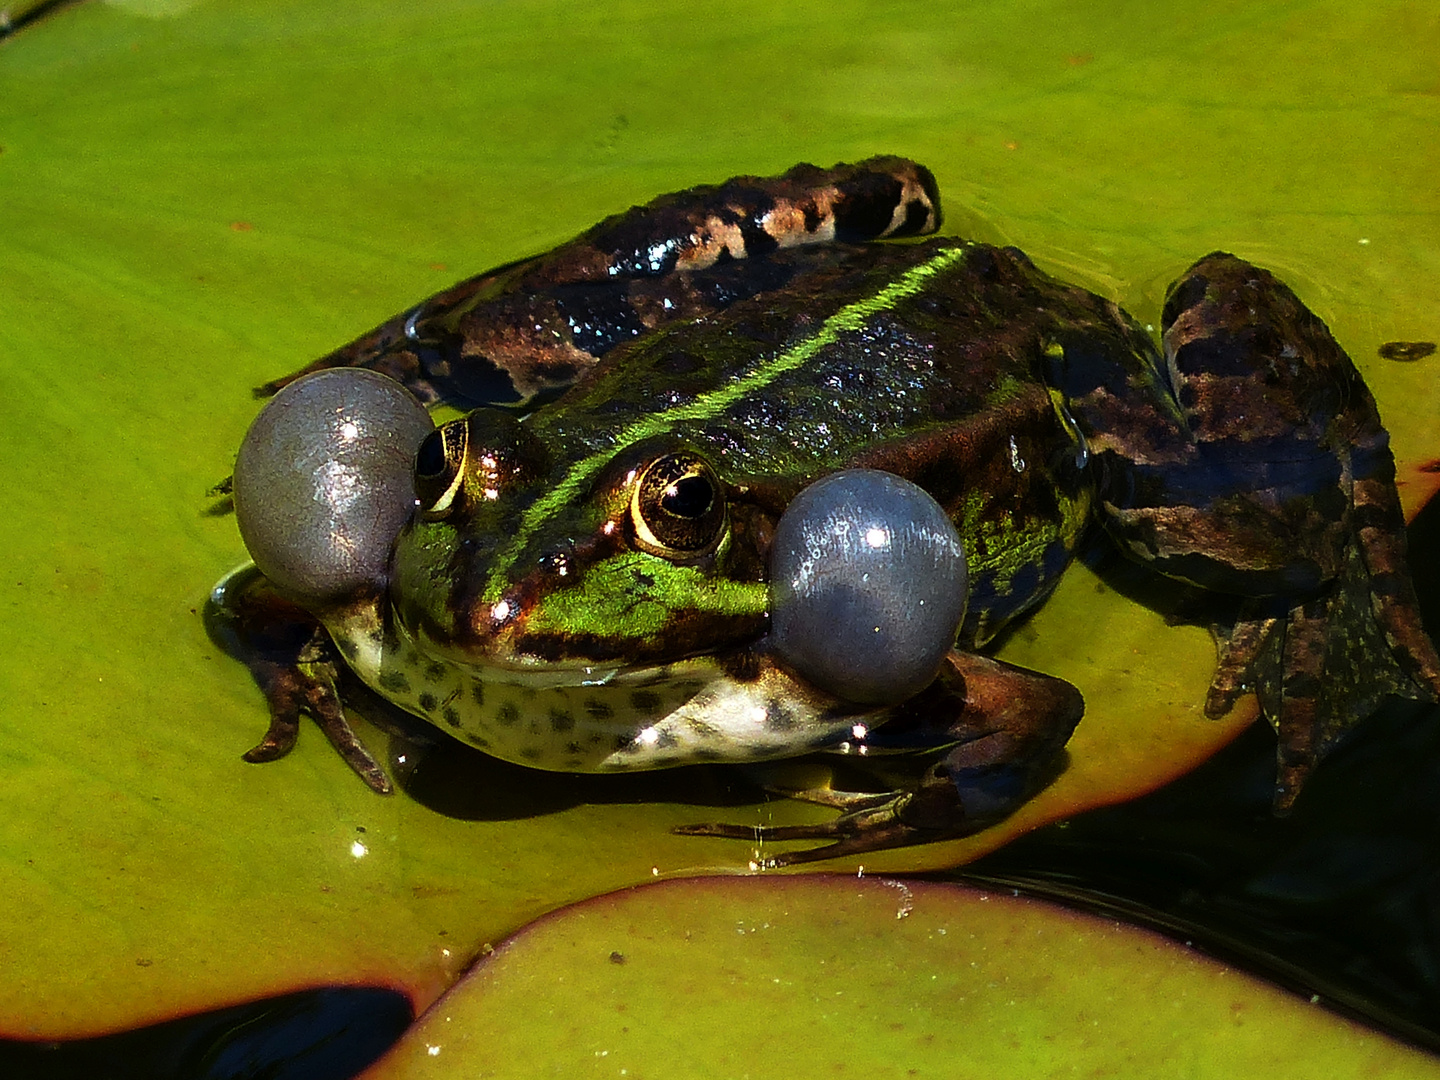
[
  {"x": 870, "y": 822},
  {"x": 293, "y": 661},
  {"x": 308, "y": 686},
  {"x": 1319, "y": 667},
  {"x": 1003, "y": 731}
]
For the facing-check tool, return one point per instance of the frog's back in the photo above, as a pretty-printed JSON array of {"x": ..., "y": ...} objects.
[{"x": 926, "y": 360}]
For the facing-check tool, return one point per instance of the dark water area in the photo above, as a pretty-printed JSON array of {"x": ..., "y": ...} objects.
[
  {"x": 326, "y": 1034},
  {"x": 1340, "y": 899}
]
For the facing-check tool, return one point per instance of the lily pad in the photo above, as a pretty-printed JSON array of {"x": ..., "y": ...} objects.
[
  {"x": 877, "y": 978},
  {"x": 199, "y": 197}
]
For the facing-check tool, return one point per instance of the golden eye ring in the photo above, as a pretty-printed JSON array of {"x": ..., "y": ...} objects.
[
  {"x": 677, "y": 507},
  {"x": 440, "y": 468}
]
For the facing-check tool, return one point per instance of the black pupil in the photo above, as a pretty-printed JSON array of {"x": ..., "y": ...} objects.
[
  {"x": 688, "y": 497},
  {"x": 430, "y": 460}
]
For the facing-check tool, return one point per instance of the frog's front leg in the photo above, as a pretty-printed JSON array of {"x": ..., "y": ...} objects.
[
  {"x": 295, "y": 665},
  {"x": 531, "y": 328},
  {"x": 1003, "y": 731},
  {"x": 1251, "y": 460}
]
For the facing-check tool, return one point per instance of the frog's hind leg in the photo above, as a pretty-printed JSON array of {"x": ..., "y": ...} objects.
[
  {"x": 1251, "y": 460},
  {"x": 1005, "y": 729}
]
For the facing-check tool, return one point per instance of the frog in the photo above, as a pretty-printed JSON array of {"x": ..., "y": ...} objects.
[{"x": 578, "y": 574}]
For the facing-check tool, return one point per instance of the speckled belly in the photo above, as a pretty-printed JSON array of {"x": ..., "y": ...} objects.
[{"x": 632, "y": 720}]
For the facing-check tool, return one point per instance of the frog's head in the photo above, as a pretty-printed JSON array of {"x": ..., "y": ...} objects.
[
  {"x": 504, "y": 549},
  {"x": 527, "y": 554}
]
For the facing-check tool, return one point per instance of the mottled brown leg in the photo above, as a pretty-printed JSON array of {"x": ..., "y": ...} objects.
[
  {"x": 1380, "y": 530},
  {"x": 1261, "y": 469}
]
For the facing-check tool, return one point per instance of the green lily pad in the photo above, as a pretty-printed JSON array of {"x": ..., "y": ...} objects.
[
  {"x": 199, "y": 197},
  {"x": 877, "y": 978}
]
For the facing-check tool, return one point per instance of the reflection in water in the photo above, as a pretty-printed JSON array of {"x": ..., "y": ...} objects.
[{"x": 325, "y": 1034}]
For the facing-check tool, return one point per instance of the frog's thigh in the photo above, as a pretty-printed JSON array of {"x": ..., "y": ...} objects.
[
  {"x": 1266, "y": 442},
  {"x": 1010, "y": 727},
  {"x": 1002, "y": 714}
]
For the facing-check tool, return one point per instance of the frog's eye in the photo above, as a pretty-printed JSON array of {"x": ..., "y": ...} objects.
[
  {"x": 677, "y": 508},
  {"x": 323, "y": 482},
  {"x": 868, "y": 584},
  {"x": 440, "y": 467}
]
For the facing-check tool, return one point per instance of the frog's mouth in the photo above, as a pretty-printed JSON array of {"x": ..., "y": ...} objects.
[
  {"x": 541, "y": 673},
  {"x": 375, "y": 645}
]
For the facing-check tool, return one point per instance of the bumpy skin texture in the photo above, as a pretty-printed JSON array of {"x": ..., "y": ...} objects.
[
  {"x": 1024, "y": 406},
  {"x": 531, "y": 328}
]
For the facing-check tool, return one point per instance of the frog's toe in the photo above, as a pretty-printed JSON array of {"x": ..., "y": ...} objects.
[
  {"x": 309, "y": 687},
  {"x": 949, "y": 802},
  {"x": 1320, "y": 666},
  {"x": 1238, "y": 647},
  {"x": 873, "y": 823},
  {"x": 279, "y": 739},
  {"x": 337, "y": 729}
]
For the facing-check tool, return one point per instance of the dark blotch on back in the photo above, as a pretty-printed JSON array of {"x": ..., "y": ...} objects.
[
  {"x": 1186, "y": 294},
  {"x": 916, "y": 214},
  {"x": 480, "y": 379},
  {"x": 860, "y": 219},
  {"x": 599, "y": 317}
]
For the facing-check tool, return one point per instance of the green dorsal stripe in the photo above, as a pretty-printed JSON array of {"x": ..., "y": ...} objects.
[{"x": 851, "y": 317}]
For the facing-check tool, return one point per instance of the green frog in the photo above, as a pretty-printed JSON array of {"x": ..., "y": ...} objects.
[{"x": 575, "y": 575}]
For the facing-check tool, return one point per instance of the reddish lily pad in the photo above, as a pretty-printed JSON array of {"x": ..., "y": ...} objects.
[
  {"x": 876, "y": 978},
  {"x": 197, "y": 198}
]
